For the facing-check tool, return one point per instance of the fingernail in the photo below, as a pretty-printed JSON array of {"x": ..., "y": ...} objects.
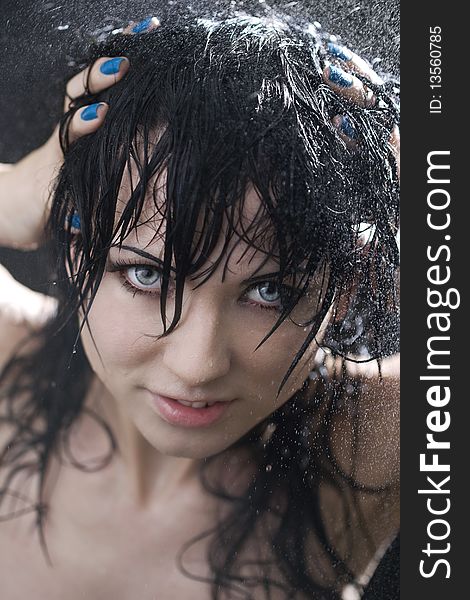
[
  {"x": 340, "y": 77},
  {"x": 90, "y": 112},
  {"x": 142, "y": 26},
  {"x": 111, "y": 66},
  {"x": 347, "y": 128},
  {"x": 75, "y": 221},
  {"x": 340, "y": 52}
]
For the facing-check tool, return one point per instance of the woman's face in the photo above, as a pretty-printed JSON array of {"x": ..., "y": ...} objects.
[{"x": 210, "y": 356}]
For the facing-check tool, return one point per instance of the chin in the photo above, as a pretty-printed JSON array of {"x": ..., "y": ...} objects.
[
  {"x": 199, "y": 452},
  {"x": 194, "y": 454},
  {"x": 182, "y": 443}
]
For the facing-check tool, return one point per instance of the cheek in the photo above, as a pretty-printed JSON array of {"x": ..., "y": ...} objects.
[
  {"x": 118, "y": 328},
  {"x": 266, "y": 367}
]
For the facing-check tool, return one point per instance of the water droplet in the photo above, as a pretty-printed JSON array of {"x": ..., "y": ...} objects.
[{"x": 269, "y": 468}]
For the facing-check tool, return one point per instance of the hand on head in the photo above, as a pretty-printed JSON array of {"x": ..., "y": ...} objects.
[
  {"x": 96, "y": 78},
  {"x": 341, "y": 74},
  {"x": 25, "y": 190}
]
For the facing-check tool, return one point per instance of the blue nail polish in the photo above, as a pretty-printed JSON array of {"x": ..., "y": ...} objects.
[
  {"x": 340, "y": 77},
  {"x": 347, "y": 128},
  {"x": 111, "y": 66},
  {"x": 90, "y": 112},
  {"x": 142, "y": 26},
  {"x": 340, "y": 52},
  {"x": 75, "y": 221}
]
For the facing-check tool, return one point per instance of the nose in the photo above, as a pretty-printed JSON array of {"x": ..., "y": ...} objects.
[{"x": 198, "y": 351}]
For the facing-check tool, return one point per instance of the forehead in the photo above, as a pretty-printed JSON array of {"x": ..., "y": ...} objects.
[{"x": 248, "y": 238}]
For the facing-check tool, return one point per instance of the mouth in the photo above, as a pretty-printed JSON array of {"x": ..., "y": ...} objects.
[
  {"x": 194, "y": 404},
  {"x": 188, "y": 414}
]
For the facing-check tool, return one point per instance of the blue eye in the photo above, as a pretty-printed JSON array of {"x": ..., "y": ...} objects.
[
  {"x": 268, "y": 292},
  {"x": 143, "y": 277}
]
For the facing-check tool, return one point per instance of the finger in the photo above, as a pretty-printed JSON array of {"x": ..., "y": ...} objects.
[
  {"x": 105, "y": 72},
  {"x": 74, "y": 223},
  {"x": 348, "y": 86},
  {"x": 87, "y": 120},
  {"x": 354, "y": 62},
  {"x": 346, "y": 130},
  {"x": 142, "y": 26}
]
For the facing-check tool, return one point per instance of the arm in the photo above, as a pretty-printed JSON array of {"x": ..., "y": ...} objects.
[
  {"x": 362, "y": 519},
  {"x": 25, "y": 193},
  {"x": 364, "y": 434},
  {"x": 22, "y": 311},
  {"x": 375, "y": 419}
]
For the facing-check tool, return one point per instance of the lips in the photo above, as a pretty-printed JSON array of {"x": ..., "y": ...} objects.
[{"x": 197, "y": 413}]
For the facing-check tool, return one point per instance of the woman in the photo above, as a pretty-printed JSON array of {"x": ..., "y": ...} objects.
[{"x": 174, "y": 421}]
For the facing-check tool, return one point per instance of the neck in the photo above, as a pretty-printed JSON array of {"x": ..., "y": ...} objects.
[{"x": 144, "y": 474}]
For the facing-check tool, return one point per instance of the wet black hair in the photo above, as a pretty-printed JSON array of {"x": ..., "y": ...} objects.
[{"x": 219, "y": 107}]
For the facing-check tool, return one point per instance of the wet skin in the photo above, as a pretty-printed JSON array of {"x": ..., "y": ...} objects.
[{"x": 210, "y": 355}]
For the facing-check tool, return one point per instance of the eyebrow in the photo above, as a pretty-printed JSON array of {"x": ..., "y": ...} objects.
[
  {"x": 144, "y": 254},
  {"x": 253, "y": 279}
]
